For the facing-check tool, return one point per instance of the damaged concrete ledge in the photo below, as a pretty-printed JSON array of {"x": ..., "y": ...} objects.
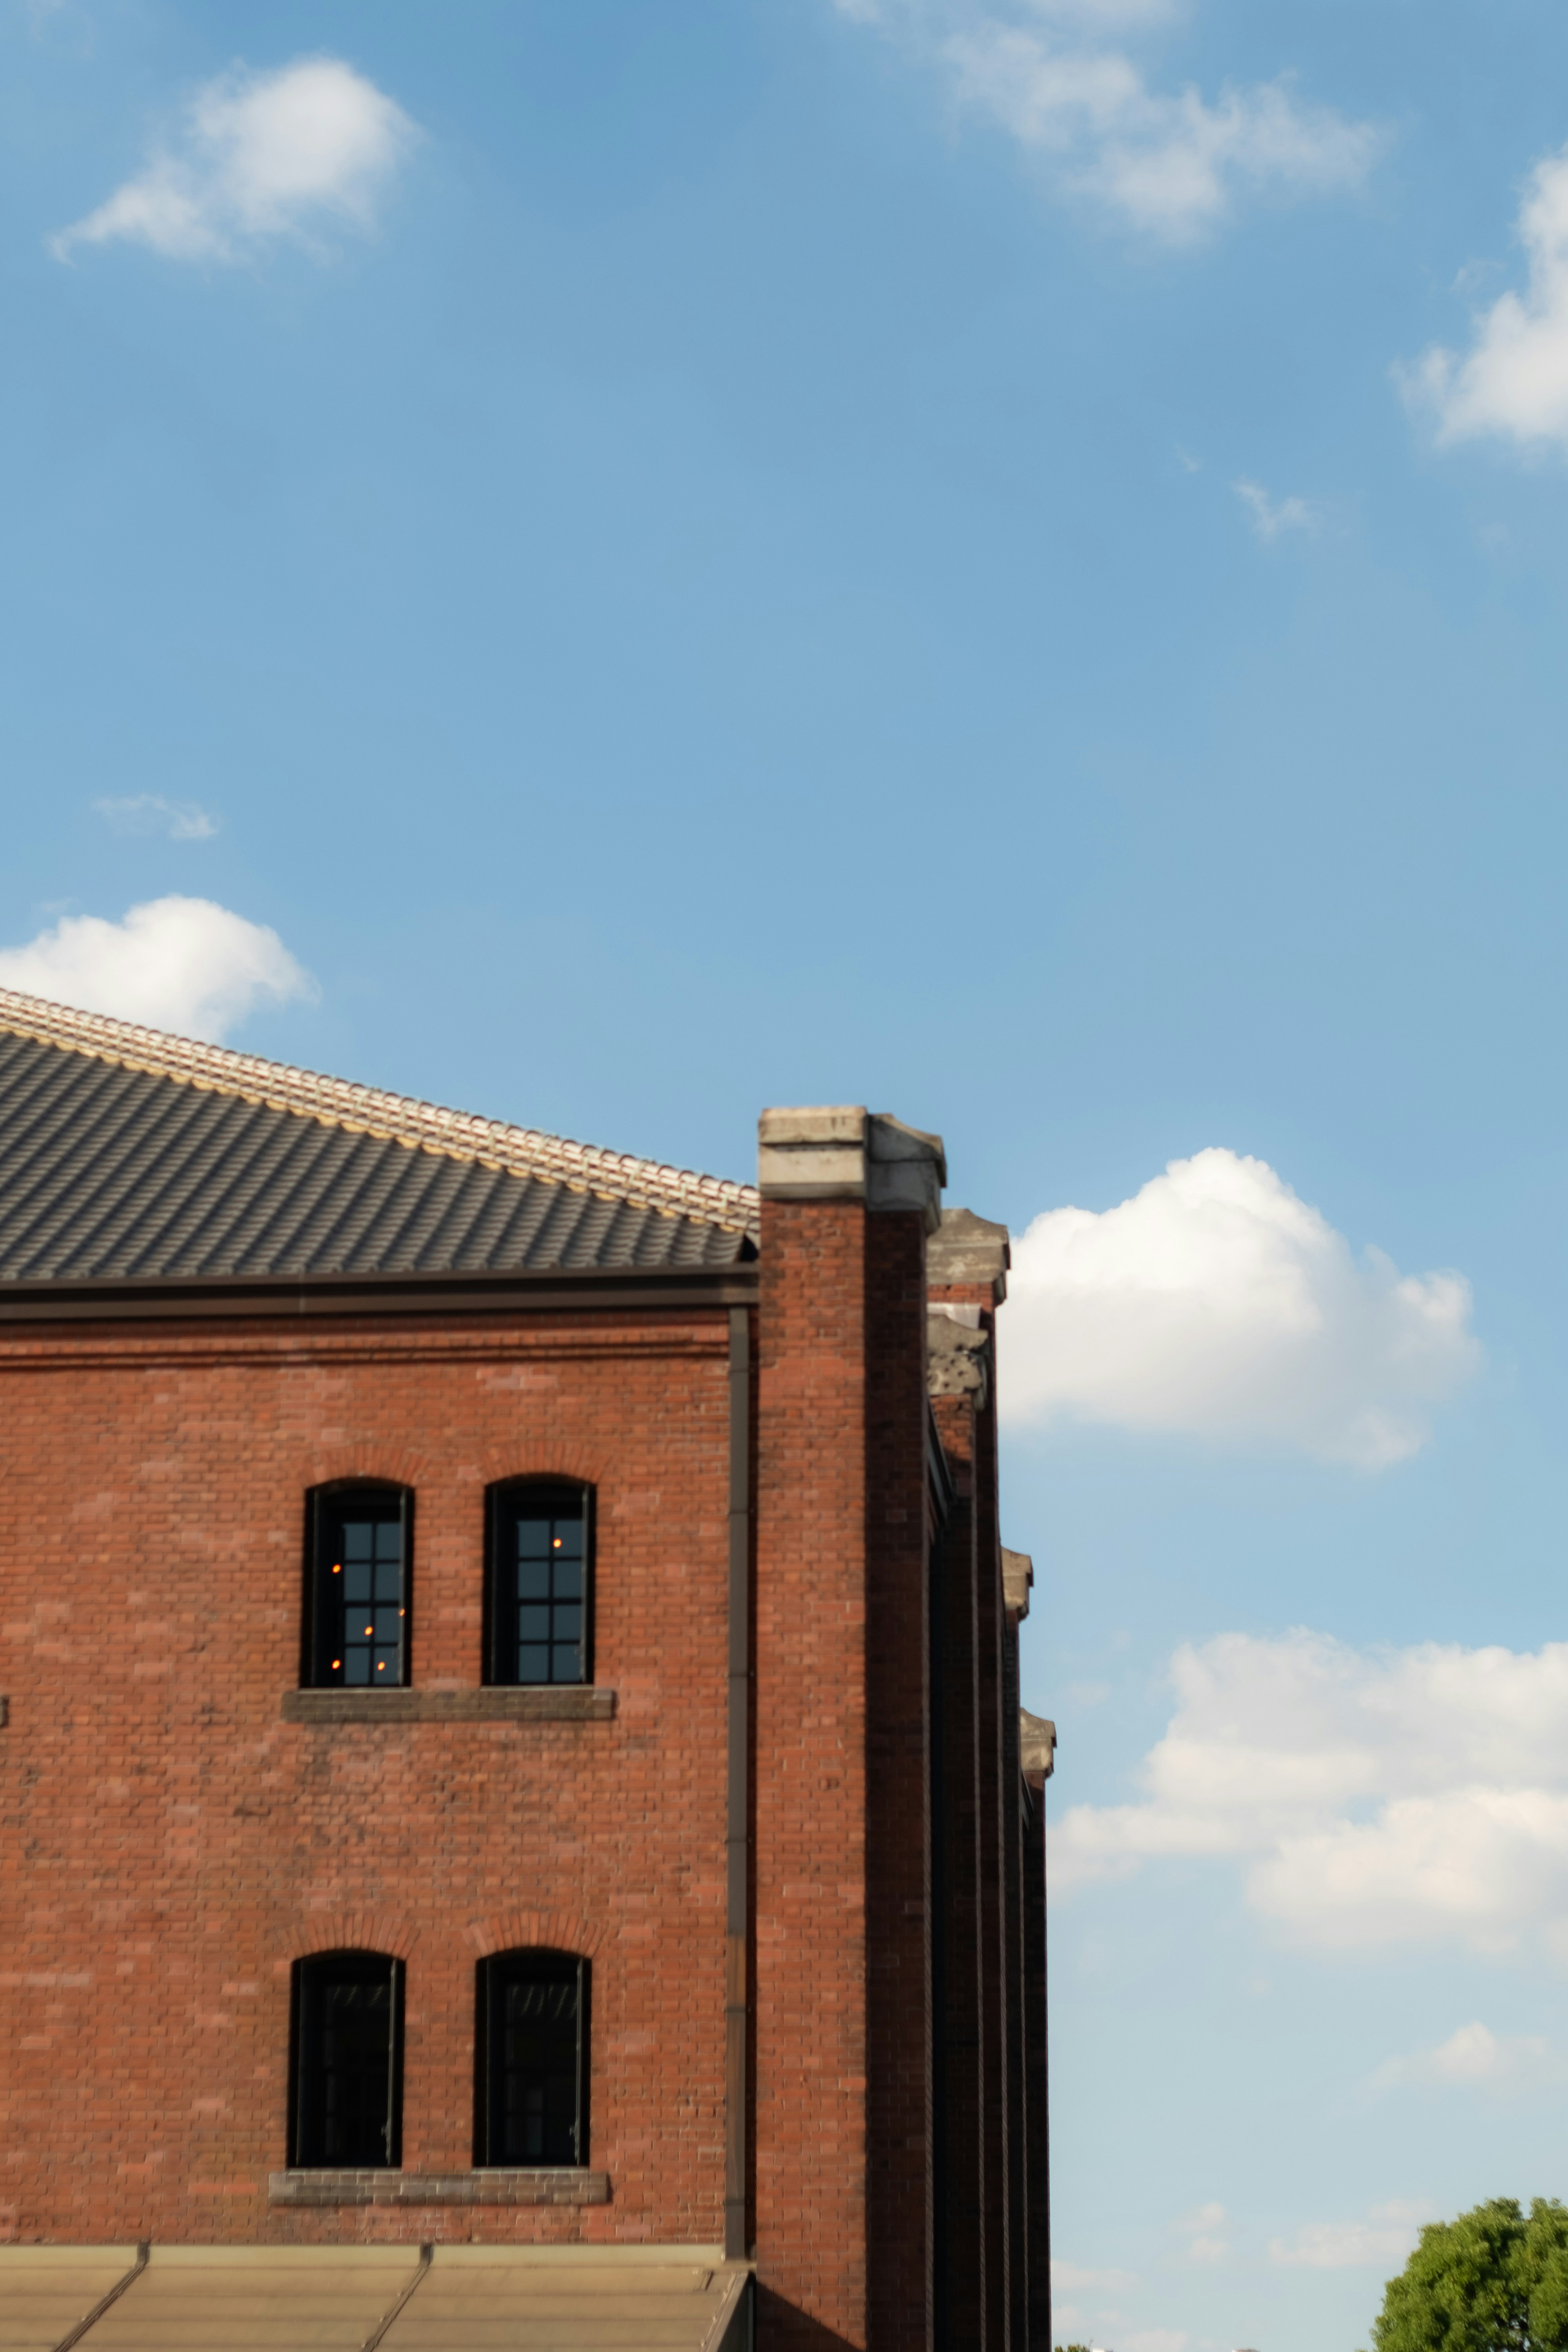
[
  {"x": 1037, "y": 1748},
  {"x": 551, "y": 2184},
  {"x": 1017, "y": 1576},
  {"x": 958, "y": 1353},
  {"x": 503, "y": 1702},
  {"x": 966, "y": 1250}
]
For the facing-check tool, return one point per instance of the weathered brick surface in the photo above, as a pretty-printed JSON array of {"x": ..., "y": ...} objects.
[
  {"x": 1036, "y": 2077},
  {"x": 178, "y": 1823},
  {"x": 169, "y": 1844},
  {"x": 998, "y": 1802},
  {"x": 961, "y": 2168},
  {"x": 811, "y": 1603},
  {"x": 897, "y": 1891}
]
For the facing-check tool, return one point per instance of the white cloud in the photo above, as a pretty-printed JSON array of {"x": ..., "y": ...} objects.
[
  {"x": 174, "y": 963},
  {"x": 1200, "y": 2230},
  {"x": 258, "y": 156},
  {"x": 1157, "y": 2339},
  {"x": 1052, "y": 73},
  {"x": 1382, "y": 2241},
  {"x": 1513, "y": 380},
  {"x": 1474, "y": 2058},
  {"x": 151, "y": 813},
  {"x": 1371, "y": 1799},
  {"x": 1271, "y": 516},
  {"x": 1217, "y": 1304},
  {"x": 1068, "y": 2278}
]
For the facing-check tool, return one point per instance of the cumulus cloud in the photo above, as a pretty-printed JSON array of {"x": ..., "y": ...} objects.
[
  {"x": 1370, "y": 1799},
  {"x": 1382, "y": 2241},
  {"x": 258, "y": 156},
  {"x": 174, "y": 963},
  {"x": 1513, "y": 380},
  {"x": 1268, "y": 516},
  {"x": 1201, "y": 2228},
  {"x": 1217, "y": 1304},
  {"x": 1058, "y": 77},
  {"x": 151, "y": 813},
  {"x": 1474, "y": 2058},
  {"x": 1071, "y": 2278}
]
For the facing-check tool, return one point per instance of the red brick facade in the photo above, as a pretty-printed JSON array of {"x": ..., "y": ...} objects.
[{"x": 174, "y": 1838}]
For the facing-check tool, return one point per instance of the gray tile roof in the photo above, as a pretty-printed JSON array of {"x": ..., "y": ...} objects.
[{"x": 128, "y": 1155}]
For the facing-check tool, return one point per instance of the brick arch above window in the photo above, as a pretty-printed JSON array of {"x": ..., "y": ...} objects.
[
  {"x": 512, "y": 1931},
  {"x": 369, "y": 1465},
  {"x": 551, "y": 1464},
  {"x": 367, "y": 1930}
]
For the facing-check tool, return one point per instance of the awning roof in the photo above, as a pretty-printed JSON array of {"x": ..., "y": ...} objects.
[{"x": 347, "y": 2298}]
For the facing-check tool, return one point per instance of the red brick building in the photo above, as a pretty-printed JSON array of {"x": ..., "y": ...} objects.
[{"x": 511, "y": 1738}]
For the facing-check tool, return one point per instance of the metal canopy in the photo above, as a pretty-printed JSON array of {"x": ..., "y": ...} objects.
[{"x": 372, "y": 2299}]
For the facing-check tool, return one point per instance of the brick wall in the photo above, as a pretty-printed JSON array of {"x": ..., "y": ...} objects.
[
  {"x": 169, "y": 1844},
  {"x": 810, "y": 1962}
]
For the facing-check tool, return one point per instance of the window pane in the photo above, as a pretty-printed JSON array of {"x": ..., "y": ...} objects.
[
  {"x": 344, "y": 2089},
  {"x": 533, "y": 2070},
  {"x": 540, "y": 1557},
  {"x": 361, "y": 1593}
]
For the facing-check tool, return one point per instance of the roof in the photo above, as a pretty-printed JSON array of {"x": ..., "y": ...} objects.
[
  {"x": 127, "y": 1154},
  {"x": 288, "y": 2298}
]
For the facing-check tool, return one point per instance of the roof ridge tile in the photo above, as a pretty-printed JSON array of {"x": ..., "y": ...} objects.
[{"x": 616, "y": 1176}]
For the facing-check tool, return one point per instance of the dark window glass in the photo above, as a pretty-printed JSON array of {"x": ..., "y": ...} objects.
[
  {"x": 532, "y": 2045},
  {"x": 539, "y": 1596},
  {"x": 348, "y": 2060},
  {"x": 358, "y": 1615}
]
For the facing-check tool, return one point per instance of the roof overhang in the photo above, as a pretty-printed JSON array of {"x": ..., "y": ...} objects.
[{"x": 548, "y": 1290}]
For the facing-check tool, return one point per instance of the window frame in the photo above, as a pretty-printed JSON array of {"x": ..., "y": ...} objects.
[
  {"x": 303, "y": 2097},
  {"x": 501, "y": 1513},
  {"x": 490, "y": 1977},
  {"x": 315, "y": 1643}
]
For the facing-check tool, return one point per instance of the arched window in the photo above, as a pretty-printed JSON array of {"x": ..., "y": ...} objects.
[
  {"x": 346, "y": 2060},
  {"x": 532, "y": 2051},
  {"x": 359, "y": 1546},
  {"x": 538, "y": 1583}
]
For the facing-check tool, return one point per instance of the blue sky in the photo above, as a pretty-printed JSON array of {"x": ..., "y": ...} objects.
[{"x": 612, "y": 566}]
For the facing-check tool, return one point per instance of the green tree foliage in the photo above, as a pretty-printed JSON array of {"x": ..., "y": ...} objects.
[{"x": 1489, "y": 2282}]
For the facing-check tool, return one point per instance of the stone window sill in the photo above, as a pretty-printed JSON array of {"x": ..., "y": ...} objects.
[
  {"x": 531, "y": 1703},
  {"x": 545, "y": 2184}
]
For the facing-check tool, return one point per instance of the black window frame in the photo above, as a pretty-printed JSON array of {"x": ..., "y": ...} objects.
[
  {"x": 310, "y": 1976},
  {"x": 501, "y": 1513},
  {"x": 532, "y": 1963},
  {"x": 324, "y": 1506}
]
